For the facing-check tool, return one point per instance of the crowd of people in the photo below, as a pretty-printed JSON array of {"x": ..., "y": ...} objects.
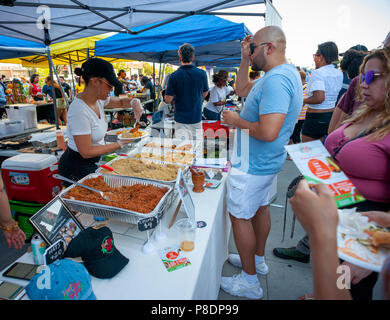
[{"x": 347, "y": 108}]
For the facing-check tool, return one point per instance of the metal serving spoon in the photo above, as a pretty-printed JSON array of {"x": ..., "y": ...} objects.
[{"x": 58, "y": 176}]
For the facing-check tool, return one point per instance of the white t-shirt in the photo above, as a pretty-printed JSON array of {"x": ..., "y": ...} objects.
[
  {"x": 328, "y": 79},
  {"x": 218, "y": 94},
  {"x": 82, "y": 120}
]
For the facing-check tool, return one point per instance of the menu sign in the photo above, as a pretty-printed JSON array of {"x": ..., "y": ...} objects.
[
  {"x": 149, "y": 223},
  {"x": 54, "y": 252},
  {"x": 317, "y": 166}
]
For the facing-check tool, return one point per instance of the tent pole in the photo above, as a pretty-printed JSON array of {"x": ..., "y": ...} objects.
[
  {"x": 51, "y": 67},
  {"x": 87, "y": 53},
  {"x": 71, "y": 73},
  {"x": 61, "y": 88},
  {"x": 154, "y": 85}
]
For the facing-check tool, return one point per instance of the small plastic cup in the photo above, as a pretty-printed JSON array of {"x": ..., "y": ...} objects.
[{"x": 186, "y": 231}]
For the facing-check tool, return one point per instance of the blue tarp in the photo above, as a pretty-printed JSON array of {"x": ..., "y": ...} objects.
[
  {"x": 214, "y": 38},
  {"x": 25, "y": 46}
]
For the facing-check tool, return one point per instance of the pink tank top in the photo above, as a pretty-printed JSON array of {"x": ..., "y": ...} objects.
[{"x": 366, "y": 163}]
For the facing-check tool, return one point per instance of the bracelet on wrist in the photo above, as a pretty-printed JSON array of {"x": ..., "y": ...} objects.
[{"x": 10, "y": 228}]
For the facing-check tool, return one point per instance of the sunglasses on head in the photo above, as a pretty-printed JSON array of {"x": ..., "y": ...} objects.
[
  {"x": 253, "y": 46},
  {"x": 369, "y": 76}
]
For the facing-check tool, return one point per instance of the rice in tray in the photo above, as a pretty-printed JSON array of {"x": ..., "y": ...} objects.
[
  {"x": 138, "y": 198},
  {"x": 144, "y": 169}
]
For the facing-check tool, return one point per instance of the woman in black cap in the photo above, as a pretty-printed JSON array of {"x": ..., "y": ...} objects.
[
  {"x": 87, "y": 125},
  {"x": 218, "y": 95}
]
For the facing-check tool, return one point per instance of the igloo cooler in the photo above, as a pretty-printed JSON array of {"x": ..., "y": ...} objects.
[{"x": 29, "y": 177}]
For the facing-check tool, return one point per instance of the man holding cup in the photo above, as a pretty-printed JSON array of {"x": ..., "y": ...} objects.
[{"x": 264, "y": 127}]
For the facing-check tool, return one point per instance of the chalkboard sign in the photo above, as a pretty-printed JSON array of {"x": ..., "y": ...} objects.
[
  {"x": 54, "y": 252},
  {"x": 149, "y": 223}
]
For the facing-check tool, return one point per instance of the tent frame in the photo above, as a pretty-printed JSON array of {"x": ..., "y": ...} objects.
[{"x": 123, "y": 11}]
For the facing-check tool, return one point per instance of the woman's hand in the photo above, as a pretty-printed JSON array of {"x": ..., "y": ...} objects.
[
  {"x": 316, "y": 211},
  {"x": 380, "y": 217},
  {"x": 15, "y": 238}
]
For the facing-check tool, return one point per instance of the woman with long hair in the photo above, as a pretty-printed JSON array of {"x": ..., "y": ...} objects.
[
  {"x": 35, "y": 90},
  {"x": 361, "y": 147}
]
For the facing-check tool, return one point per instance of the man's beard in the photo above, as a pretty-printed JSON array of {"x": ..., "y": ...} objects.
[{"x": 256, "y": 67}]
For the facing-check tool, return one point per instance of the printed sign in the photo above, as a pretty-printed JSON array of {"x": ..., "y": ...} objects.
[
  {"x": 54, "y": 252},
  {"x": 173, "y": 259},
  {"x": 19, "y": 178},
  {"x": 317, "y": 166}
]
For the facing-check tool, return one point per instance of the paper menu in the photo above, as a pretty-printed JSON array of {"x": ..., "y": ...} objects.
[{"x": 317, "y": 166}]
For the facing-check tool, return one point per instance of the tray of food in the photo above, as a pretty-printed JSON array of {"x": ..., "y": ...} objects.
[
  {"x": 173, "y": 144},
  {"x": 361, "y": 242},
  {"x": 129, "y": 199},
  {"x": 165, "y": 155},
  {"x": 146, "y": 169}
]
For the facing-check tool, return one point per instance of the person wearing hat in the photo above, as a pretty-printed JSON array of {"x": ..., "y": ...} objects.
[
  {"x": 218, "y": 95},
  {"x": 87, "y": 124}
]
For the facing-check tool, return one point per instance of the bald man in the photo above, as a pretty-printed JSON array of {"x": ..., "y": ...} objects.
[{"x": 264, "y": 127}]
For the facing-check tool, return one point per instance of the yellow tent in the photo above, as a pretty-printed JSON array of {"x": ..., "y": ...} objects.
[{"x": 65, "y": 53}]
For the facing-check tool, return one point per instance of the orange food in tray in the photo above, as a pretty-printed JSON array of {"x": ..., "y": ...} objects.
[{"x": 138, "y": 198}]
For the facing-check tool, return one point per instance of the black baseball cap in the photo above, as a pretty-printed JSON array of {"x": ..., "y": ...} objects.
[
  {"x": 358, "y": 47},
  {"x": 100, "y": 256},
  {"x": 96, "y": 67}
]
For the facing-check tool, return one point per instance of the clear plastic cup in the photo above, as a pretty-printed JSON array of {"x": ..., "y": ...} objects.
[{"x": 186, "y": 229}]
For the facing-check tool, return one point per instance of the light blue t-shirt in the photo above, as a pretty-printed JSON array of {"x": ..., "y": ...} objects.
[{"x": 279, "y": 91}]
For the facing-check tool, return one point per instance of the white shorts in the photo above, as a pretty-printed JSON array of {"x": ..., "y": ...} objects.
[{"x": 246, "y": 193}]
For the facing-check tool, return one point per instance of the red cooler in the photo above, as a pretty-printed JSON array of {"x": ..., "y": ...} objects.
[{"x": 29, "y": 177}]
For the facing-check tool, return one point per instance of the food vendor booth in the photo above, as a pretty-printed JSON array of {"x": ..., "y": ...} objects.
[{"x": 172, "y": 243}]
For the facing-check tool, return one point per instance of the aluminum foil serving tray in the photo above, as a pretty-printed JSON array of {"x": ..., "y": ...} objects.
[{"x": 114, "y": 212}]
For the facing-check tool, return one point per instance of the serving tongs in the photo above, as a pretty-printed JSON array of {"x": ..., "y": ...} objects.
[
  {"x": 104, "y": 166},
  {"x": 59, "y": 177}
]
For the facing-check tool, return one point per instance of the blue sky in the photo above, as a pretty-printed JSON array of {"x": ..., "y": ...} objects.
[{"x": 308, "y": 23}]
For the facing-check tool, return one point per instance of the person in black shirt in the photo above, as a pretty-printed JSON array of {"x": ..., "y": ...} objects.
[
  {"x": 147, "y": 84},
  {"x": 65, "y": 86}
]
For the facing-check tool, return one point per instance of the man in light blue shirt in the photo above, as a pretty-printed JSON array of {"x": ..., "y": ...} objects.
[{"x": 264, "y": 127}]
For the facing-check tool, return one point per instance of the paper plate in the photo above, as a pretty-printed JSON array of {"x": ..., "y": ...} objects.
[
  {"x": 144, "y": 134},
  {"x": 351, "y": 250}
]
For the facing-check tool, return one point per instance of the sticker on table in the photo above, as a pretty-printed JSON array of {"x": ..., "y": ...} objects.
[
  {"x": 173, "y": 259},
  {"x": 201, "y": 224}
]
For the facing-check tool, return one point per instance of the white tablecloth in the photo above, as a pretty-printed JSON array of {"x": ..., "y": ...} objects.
[{"x": 145, "y": 276}]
